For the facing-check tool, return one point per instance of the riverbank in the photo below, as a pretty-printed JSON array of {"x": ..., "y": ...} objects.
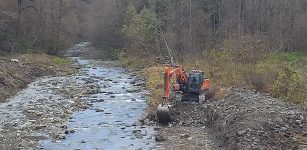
[
  {"x": 19, "y": 70},
  {"x": 233, "y": 117}
]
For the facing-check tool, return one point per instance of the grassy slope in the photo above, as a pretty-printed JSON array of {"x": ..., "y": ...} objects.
[{"x": 225, "y": 72}]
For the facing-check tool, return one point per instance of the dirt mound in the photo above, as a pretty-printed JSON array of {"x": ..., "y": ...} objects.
[
  {"x": 242, "y": 120},
  {"x": 250, "y": 120}
]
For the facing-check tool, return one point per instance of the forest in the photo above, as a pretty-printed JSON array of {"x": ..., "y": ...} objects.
[
  {"x": 258, "y": 43},
  {"x": 187, "y": 26}
]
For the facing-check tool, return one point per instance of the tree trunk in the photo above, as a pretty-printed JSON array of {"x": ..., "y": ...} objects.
[{"x": 19, "y": 11}]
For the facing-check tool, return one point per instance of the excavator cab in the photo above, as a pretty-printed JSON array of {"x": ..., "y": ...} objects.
[
  {"x": 198, "y": 84},
  {"x": 196, "y": 79}
]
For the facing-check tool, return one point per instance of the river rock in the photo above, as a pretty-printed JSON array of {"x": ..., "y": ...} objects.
[
  {"x": 133, "y": 90},
  {"x": 66, "y": 132},
  {"x": 139, "y": 84},
  {"x": 184, "y": 136},
  {"x": 137, "y": 123},
  {"x": 146, "y": 122},
  {"x": 72, "y": 131},
  {"x": 108, "y": 80},
  {"x": 100, "y": 100},
  {"x": 159, "y": 138},
  {"x": 97, "y": 100},
  {"x": 99, "y": 110},
  {"x": 138, "y": 134},
  {"x": 240, "y": 133},
  {"x": 83, "y": 141}
]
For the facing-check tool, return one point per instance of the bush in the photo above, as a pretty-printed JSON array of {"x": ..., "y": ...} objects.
[
  {"x": 290, "y": 86},
  {"x": 154, "y": 83},
  {"x": 261, "y": 76},
  {"x": 226, "y": 70}
]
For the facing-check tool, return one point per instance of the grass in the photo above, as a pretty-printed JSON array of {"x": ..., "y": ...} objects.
[
  {"x": 154, "y": 83},
  {"x": 264, "y": 75},
  {"x": 60, "y": 65},
  {"x": 60, "y": 60},
  {"x": 291, "y": 57},
  {"x": 42, "y": 59}
]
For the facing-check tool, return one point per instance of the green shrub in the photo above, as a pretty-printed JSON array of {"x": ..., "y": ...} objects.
[
  {"x": 290, "y": 86},
  {"x": 60, "y": 61}
]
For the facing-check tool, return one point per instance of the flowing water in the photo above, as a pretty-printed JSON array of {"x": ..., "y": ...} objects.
[{"x": 108, "y": 124}]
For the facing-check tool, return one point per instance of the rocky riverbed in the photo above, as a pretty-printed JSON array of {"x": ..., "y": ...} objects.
[
  {"x": 116, "y": 99},
  {"x": 94, "y": 109}
]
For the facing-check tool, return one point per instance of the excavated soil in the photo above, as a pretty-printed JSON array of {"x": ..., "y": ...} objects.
[
  {"x": 250, "y": 120},
  {"x": 189, "y": 129},
  {"x": 244, "y": 119}
]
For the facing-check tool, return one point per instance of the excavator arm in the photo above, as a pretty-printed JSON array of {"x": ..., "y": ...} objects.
[
  {"x": 179, "y": 74},
  {"x": 181, "y": 77}
]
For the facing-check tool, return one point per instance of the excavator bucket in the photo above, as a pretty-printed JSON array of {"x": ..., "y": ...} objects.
[{"x": 163, "y": 114}]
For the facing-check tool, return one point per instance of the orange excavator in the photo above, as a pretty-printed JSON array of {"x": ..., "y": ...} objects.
[{"x": 185, "y": 87}]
